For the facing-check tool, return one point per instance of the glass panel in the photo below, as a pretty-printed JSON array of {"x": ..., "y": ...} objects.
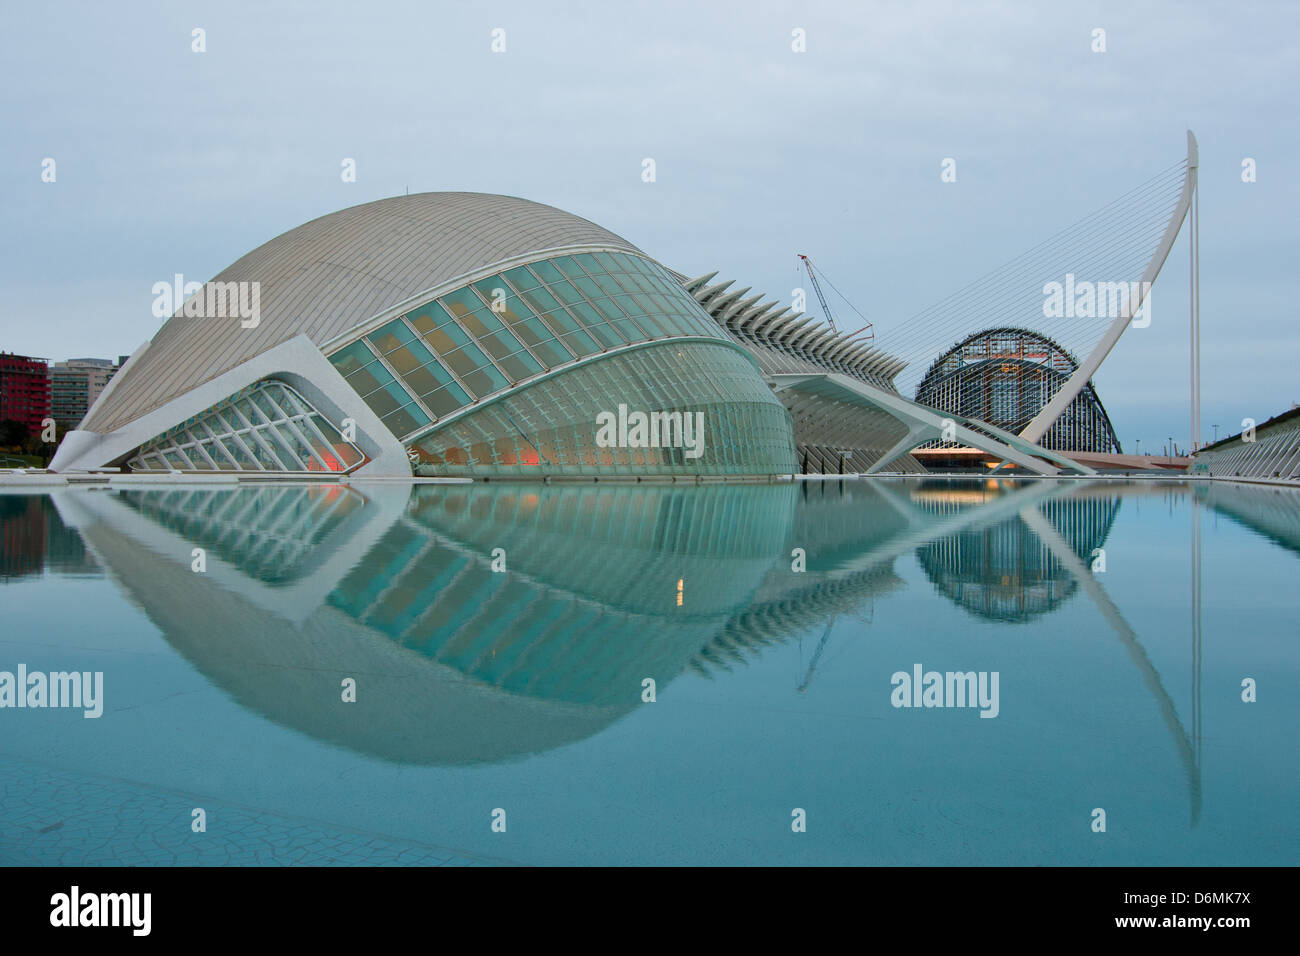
[
  {"x": 462, "y": 302},
  {"x": 567, "y": 329},
  {"x": 387, "y": 399},
  {"x": 540, "y": 301},
  {"x": 597, "y": 326},
  {"x": 296, "y": 453},
  {"x": 262, "y": 402},
  {"x": 669, "y": 315},
  {"x": 407, "y": 359},
  {"x": 445, "y": 400},
  {"x": 391, "y": 336},
  {"x": 237, "y": 452},
  {"x": 422, "y": 380},
  {"x": 352, "y": 358},
  {"x": 522, "y": 279},
  {"x": 428, "y": 317},
  {"x": 548, "y": 273},
  {"x": 214, "y": 449},
  {"x": 501, "y": 345},
  {"x": 639, "y": 307},
  {"x": 625, "y": 262},
  {"x": 609, "y": 286},
  {"x": 371, "y": 377},
  {"x": 568, "y": 267},
  {"x": 466, "y": 359},
  {"x": 279, "y": 449},
  {"x": 633, "y": 282},
  {"x": 589, "y": 288},
  {"x": 608, "y": 307},
  {"x": 588, "y": 262},
  {"x": 405, "y": 420},
  {"x": 607, "y": 262},
  {"x": 524, "y": 324},
  {"x": 565, "y": 292}
]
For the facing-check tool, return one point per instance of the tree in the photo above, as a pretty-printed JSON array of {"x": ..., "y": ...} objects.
[{"x": 12, "y": 433}]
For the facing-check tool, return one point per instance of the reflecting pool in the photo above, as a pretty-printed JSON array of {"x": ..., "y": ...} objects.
[{"x": 890, "y": 671}]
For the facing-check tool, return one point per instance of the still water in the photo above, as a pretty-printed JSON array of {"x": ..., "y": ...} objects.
[{"x": 503, "y": 644}]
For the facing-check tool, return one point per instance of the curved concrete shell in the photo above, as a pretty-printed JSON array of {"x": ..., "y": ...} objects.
[{"x": 351, "y": 342}]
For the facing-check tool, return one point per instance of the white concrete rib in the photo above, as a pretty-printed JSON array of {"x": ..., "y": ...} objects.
[{"x": 795, "y": 334}]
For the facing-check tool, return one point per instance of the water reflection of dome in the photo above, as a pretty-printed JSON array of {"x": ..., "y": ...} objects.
[
  {"x": 457, "y": 663},
  {"x": 841, "y": 524},
  {"x": 1004, "y": 571},
  {"x": 454, "y": 663}
]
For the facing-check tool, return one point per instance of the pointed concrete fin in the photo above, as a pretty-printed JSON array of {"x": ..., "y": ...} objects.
[
  {"x": 718, "y": 304},
  {"x": 738, "y": 308},
  {"x": 698, "y": 282},
  {"x": 702, "y": 296}
]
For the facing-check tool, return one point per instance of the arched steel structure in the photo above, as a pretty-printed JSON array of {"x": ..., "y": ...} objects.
[{"x": 1004, "y": 376}]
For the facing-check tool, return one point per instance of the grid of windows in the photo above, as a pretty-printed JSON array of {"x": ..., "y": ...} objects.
[
  {"x": 492, "y": 334},
  {"x": 277, "y": 534},
  {"x": 265, "y": 427},
  {"x": 1005, "y": 377},
  {"x": 551, "y": 427}
]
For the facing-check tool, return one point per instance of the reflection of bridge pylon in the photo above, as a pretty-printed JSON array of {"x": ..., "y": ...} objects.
[{"x": 1188, "y": 747}]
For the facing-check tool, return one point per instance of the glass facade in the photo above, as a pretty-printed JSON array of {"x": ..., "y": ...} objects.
[
  {"x": 1005, "y": 377},
  {"x": 280, "y": 534},
  {"x": 265, "y": 427},
  {"x": 551, "y": 426},
  {"x": 490, "y": 335}
]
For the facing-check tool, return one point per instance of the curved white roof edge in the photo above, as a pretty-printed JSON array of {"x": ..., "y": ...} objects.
[{"x": 297, "y": 362}]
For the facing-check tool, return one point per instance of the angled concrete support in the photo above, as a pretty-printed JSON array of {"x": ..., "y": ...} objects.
[
  {"x": 928, "y": 422},
  {"x": 297, "y": 362},
  {"x": 915, "y": 435}
]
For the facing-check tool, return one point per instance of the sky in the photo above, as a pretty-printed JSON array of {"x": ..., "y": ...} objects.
[{"x": 169, "y": 160}]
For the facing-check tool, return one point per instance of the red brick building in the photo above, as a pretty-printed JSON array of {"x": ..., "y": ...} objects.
[{"x": 24, "y": 390}]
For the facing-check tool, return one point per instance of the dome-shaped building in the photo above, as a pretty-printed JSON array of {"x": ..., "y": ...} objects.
[{"x": 445, "y": 333}]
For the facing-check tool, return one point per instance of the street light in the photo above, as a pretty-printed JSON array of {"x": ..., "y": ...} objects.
[
  {"x": 1137, "y": 446},
  {"x": 1216, "y": 433},
  {"x": 1171, "y": 447}
]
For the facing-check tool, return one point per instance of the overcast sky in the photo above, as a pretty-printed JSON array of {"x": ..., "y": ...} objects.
[{"x": 173, "y": 161}]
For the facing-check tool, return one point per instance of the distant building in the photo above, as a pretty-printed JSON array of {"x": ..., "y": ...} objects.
[
  {"x": 74, "y": 386},
  {"x": 24, "y": 390},
  {"x": 1270, "y": 449},
  {"x": 1004, "y": 376}
]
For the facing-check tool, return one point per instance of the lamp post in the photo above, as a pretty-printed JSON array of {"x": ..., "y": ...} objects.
[
  {"x": 1137, "y": 446},
  {"x": 1216, "y": 433}
]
